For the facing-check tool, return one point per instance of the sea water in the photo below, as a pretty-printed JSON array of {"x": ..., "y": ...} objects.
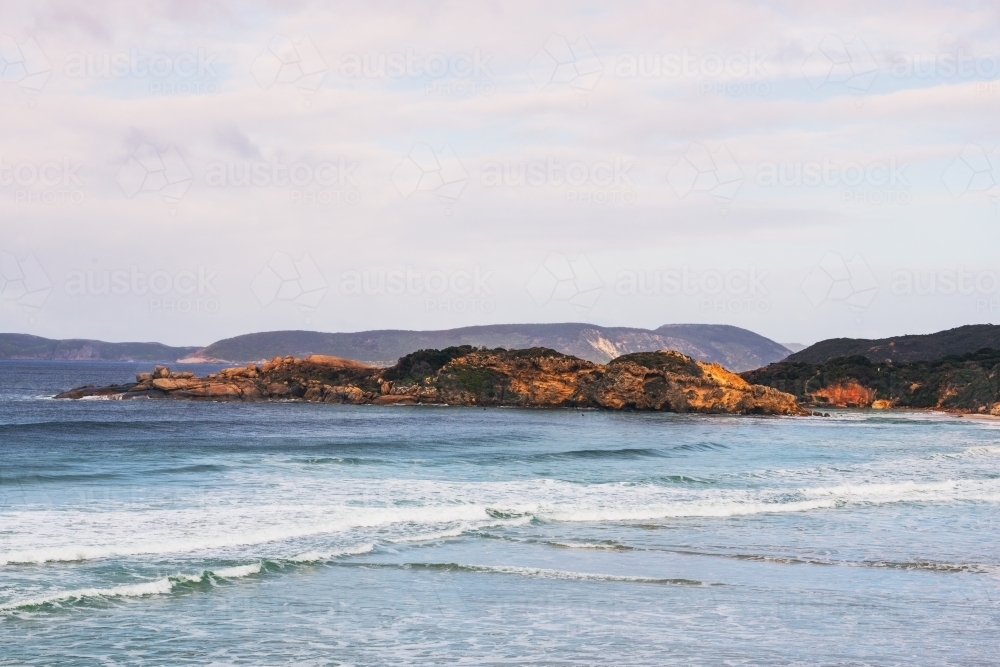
[{"x": 171, "y": 533}]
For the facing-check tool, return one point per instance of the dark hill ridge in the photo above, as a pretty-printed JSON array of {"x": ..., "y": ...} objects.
[
  {"x": 733, "y": 347},
  {"x": 24, "y": 346},
  {"x": 961, "y": 340},
  {"x": 967, "y": 382}
]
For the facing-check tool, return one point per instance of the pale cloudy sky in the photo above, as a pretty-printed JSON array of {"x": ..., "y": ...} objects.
[{"x": 187, "y": 171}]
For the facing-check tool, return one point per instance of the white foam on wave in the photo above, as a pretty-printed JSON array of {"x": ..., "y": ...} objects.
[
  {"x": 713, "y": 509},
  {"x": 467, "y": 515},
  {"x": 887, "y": 492},
  {"x": 981, "y": 450},
  {"x": 545, "y": 573},
  {"x": 611, "y": 546},
  {"x": 237, "y": 571},
  {"x": 406, "y": 510},
  {"x": 317, "y": 556},
  {"x": 160, "y": 586},
  {"x": 463, "y": 528}
]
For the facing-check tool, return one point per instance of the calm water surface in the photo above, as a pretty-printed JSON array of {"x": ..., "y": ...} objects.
[{"x": 173, "y": 533}]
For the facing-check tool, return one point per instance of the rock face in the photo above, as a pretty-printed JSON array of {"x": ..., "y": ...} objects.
[
  {"x": 536, "y": 377},
  {"x": 965, "y": 383}
]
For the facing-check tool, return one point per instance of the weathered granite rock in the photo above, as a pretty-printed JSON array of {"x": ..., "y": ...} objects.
[{"x": 537, "y": 377}]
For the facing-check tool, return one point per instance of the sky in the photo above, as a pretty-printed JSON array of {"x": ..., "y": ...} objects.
[{"x": 188, "y": 171}]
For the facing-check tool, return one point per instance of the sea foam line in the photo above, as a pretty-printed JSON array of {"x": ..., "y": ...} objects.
[
  {"x": 470, "y": 516},
  {"x": 597, "y": 504},
  {"x": 318, "y": 556},
  {"x": 546, "y": 573},
  {"x": 157, "y": 587}
]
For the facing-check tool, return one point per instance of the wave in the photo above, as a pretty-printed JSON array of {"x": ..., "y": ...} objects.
[
  {"x": 700, "y": 447},
  {"x": 69, "y": 426},
  {"x": 777, "y": 501},
  {"x": 545, "y": 573},
  {"x": 925, "y": 565},
  {"x": 970, "y": 452},
  {"x": 344, "y": 460},
  {"x": 183, "y": 470},
  {"x": 467, "y": 517},
  {"x": 41, "y": 478},
  {"x": 709, "y": 509},
  {"x": 319, "y": 556},
  {"x": 933, "y": 566},
  {"x": 160, "y": 586},
  {"x": 610, "y": 545},
  {"x": 441, "y": 510},
  {"x": 625, "y": 453}
]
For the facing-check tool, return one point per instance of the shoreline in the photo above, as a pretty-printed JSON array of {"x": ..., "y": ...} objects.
[{"x": 977, "y": 416}]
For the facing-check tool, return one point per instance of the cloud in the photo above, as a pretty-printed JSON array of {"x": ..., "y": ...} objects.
[{"x": 695, "y": 140}]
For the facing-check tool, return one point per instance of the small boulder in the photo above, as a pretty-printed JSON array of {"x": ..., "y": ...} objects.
[
  {"x": 143, "y": 377},
  {"x": 161, "y": 372}
]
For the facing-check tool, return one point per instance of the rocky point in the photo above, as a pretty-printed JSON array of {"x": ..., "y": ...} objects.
[{"x": 536, "y": 377}]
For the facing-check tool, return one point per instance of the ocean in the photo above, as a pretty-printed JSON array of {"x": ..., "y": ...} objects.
[{"x": 192, "y": 533}]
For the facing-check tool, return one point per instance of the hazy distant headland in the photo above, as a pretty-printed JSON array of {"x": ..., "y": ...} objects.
[{"x": 735, "y": 348}]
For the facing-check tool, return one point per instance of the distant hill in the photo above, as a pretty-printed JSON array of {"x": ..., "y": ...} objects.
[
  {"x": 23, "y": 346},
  {"x": 733, "y": 347},
  {"x": 962, "y": 340}
]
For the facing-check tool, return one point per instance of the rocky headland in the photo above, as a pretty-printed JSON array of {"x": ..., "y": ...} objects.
[
  {"x": 962, "y": 383},
  {"x": 464, "y": 375}
]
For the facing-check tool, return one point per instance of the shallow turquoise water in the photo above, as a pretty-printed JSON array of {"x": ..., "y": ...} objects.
[{"x": 171, "y": 533}]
